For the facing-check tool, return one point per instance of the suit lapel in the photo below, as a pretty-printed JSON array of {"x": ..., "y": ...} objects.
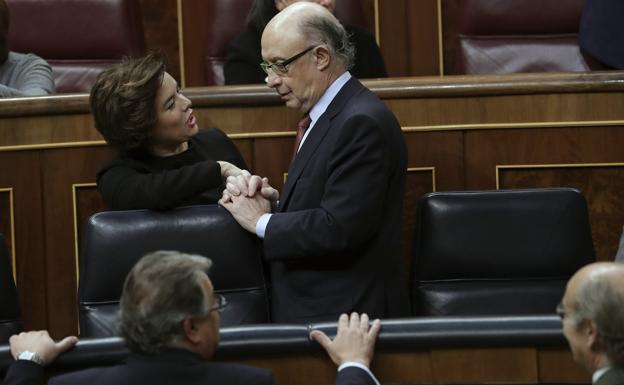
[{"x": 315, "y": 138}]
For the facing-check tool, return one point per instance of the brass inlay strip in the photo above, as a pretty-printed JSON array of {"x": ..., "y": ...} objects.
[
  {"x": 440, "y": 39},
  {"x": 181, "y": 45},
  {"x": 76, "y": 186},
  {"x": 12, "y": 220},
  {"x": 377, "y": 29},
  {"x": 554, "y": 165},
  {"x": 44, "y": 146},
  {"x": 493, "y": 126},
  {"x": 422, "y": 169}
]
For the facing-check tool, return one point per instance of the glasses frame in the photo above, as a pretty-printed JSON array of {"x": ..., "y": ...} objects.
[
  {"x": 219, "y": 303},
  {"x": 560, "y": 310},
  {"x": 281, "y": 67}
]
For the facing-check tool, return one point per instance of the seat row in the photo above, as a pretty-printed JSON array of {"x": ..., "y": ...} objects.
[{"x": 481, "y": 253}]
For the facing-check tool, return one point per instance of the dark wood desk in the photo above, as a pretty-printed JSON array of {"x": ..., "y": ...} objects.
[{"x": 487, "y": 132}]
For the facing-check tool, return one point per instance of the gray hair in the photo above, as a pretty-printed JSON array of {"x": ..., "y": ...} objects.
[
  {"x": 600, "y": 301},
  {"x": 161, "y": 291},
  {"x": 328, "y": 30}
]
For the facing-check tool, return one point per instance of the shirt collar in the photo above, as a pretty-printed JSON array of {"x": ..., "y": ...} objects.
[
  {"x": 329, "y": 95},
  {"x": 599, "y": 373}
]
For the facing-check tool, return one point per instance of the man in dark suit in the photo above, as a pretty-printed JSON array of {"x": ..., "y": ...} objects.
[
  {"x": 333, "y": 242},
  {"x": 170, "y": 321},
  {"x": 601, "y": 33},
  {"x": 592, "y": 312}
]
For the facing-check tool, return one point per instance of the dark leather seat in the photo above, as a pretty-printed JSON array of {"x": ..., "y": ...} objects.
[
  {"x": 78, "y": 38},
  {"x": 10, "y": 321},
  {"x": 502, "y": 36},
  {"x": 114, "y": 241},
  {"x": 507, "y": 252},
  {"x": 225, "y": 19}
]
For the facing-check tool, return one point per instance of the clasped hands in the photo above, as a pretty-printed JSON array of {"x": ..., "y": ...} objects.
[{"x": 247, "y": 197}]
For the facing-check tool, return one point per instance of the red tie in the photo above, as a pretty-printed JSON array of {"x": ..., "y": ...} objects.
[{"x": 302, "y": 126}]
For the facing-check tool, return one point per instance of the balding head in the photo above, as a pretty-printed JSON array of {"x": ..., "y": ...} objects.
[
  {"x": 594, "y": 307},
  {"x": 305, "y": 49},
  {"x": 314, "y": 24}
]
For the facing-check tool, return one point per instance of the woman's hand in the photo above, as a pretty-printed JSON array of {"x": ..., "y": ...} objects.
[{"x": 228, "y": 169}]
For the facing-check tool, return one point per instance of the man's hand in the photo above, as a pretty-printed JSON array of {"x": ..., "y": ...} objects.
[
  {"x": 248, "y": 185},
  {"x": 247, "y": 210},
  {"x": 40, "y": 342},
  {"x": 354, "y": 341}
]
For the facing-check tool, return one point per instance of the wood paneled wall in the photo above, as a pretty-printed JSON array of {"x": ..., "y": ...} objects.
[{"x": 486, "y": 132}]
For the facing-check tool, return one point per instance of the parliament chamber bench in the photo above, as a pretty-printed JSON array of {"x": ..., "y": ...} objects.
[
  {"x": 462, "y": 133},
  {"x": 427, "y": 350}
]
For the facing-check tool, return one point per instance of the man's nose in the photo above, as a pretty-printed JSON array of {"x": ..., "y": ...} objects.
[{"x": 272, "y": 80}]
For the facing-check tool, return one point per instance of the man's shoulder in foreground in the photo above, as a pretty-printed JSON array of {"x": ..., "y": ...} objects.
[{"x": 159, "y": 372}]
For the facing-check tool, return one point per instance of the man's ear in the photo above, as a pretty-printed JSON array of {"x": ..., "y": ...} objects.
[
  {"x": 592, "y": 334},
  {"x": 323, "y": 57},
  {"x": 191, "y": 331}
]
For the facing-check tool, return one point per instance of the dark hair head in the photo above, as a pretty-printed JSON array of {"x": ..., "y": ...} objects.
[
  {"x": 123, "y": 101},
  {"x": 261, "y": 12},
  {"x": 162, "y": 290},
  {"x": 4, "y": 31}
]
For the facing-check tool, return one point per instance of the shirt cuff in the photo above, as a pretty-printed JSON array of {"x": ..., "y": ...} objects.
[
  {"x": 261, "y": 225},
  {"x": 361, "y": 366}
]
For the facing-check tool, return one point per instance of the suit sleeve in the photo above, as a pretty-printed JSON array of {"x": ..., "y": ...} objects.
[
  {"x": 22, "y": 372},
  {"x": 124, "y": 187},
  {"x": 354, "y": 376},
  {"x": 353, "y": 197},
  {"x": 34, "y": 79}
]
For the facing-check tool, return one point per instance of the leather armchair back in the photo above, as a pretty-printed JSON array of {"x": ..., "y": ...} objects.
[
  {"x": 502, "y": 36},
  {"x": 77, "y": 38},
  {"x": 506, "y": 252},
  {"x": 114, "y": 241}
]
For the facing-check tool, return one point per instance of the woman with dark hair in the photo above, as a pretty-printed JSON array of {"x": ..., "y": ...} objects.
[
  {"x": 242, "y": 65},
  {"x": 163, "y": 159}
]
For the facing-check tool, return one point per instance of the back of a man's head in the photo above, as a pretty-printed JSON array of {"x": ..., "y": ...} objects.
[
  {"x": 162, "y": 290},
  {"x": 599, "y": 298}
]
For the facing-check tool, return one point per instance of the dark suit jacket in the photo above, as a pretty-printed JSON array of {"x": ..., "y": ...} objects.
[
  {"x": 334, "y": 243},
  {"x": 242, "y": 65},
  {"x": 614, "y": 376},
  {"x": 173, "y": 367},
  {"x": 602, "y": 32}
]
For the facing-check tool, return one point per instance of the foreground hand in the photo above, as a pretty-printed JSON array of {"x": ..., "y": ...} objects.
[
  {"x": 40, "y": 342},
  {"x": 247, "y": 210},
  {"x": 354, "y": 341}
]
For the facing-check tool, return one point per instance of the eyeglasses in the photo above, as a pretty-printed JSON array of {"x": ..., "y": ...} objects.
[
  {"x": 281, "y": 68},
  {"x": 560, "y": 310},
  {"x": 219, "y": 303}
]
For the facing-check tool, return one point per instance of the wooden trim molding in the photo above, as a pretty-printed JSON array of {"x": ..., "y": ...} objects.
[
  {"x": 75, "y": 187},
  {"x": 499, "y": 168},
  {"x": 392, "y": 88},
  {"x": 12, "y": 220},
  {"x": 426, "y": 169}
]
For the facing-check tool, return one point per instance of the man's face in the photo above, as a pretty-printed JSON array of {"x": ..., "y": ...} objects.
[
  {"x": 300, "y": 87},
  {"x": 577, "y": 335},
  {"x": 208, "y": 326}
]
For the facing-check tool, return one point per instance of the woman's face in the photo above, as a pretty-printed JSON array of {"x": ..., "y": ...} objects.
[
  {"x": 176, "y": 123},
  {"x": 329, "y": 4}
]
